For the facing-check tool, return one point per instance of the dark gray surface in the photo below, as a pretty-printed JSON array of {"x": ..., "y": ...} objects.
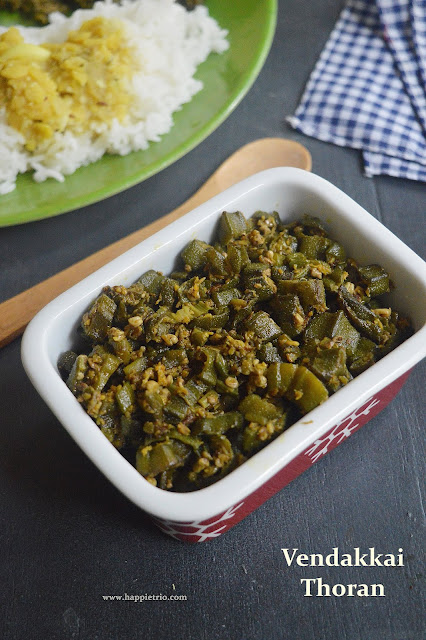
[{"x": 68, "y": 537}]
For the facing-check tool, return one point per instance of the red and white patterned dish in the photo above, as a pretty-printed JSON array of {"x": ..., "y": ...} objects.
[{"x": 205, "y": 514}]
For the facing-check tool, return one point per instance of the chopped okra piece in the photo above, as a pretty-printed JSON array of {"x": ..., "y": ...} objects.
[
  {"x": 255, "y": 435},
  {"x": 311, "y": 293},
  {"x": 256, "y": 278},
  {"x": 335, "y": 254},
  {"x": 194, "y": 390},
  {"x": 232, "y": 225},
  {"x": 263, "y": 326},
  {"x": 216, "y": 262},
  {"x": 174, "y": 358},
  {"x": 221, "y": 365},
  {"x": 176, "y": 408},
  {"x": 125, "y": 396},
  {"x": 365, "y": 320},
  {"x": 319, "y": 327},
  {"x": 237, "y": 257},
  {"x": 152, "y": 281},
  {"x": 208, "y": 372},
  {"x": 310, "y": 224},
  {"x": 180, "y": 276},
  {"x": 375, "y": 279},
  {"x": 218, "y": 424},
  {"x": 279, "y": 376},
  {"x": 158, "y": 325},
  {"x": 199, "y": 337},
  {"x": 192, "y": 290},
  {"x": 97, "y": 321},
  {"x": 131, "y": 430},
  {"x": 334, "y": 326},
  {"x": 333, "y": 280},
  {"x": 298, "y": 264},
  {"x": 77, "y": 373},
  {"x": 306, "y": 390},
  {"x": 344, "y": 333},
  {"x": 363, "y": 356},
  {"x": 223, "y": 296},
  {"x": 195, "y": 254},
  {"x": 221, "y": 450},
  {"x": 103, "y": 364},
  {"x": 330, "y": 366},
  {"x": 190, "y": 441},
  {"x": 268, "y": 352},
  {"x": 257, "y": 409},
  {"x": 66, "y": 362},
  {"x": 313, "y": 246},
  {"x": 112, "y": 431},
  {"x": 266, "y": 222},
  {"x": 151, "y": 460},
  {"x": 119, "y": 344},
  {"x": 288, "y": 349},
  {"x": 168, "y": 292},
  {"x": 289, "y": 313},
  {"x": 213, "y": 320},
  {"x": 135, "y": 367}
]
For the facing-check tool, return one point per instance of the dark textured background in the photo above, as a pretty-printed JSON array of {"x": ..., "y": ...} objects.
[{"x": 68, "y": 537}]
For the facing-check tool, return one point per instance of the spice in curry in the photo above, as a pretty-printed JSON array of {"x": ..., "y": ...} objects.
[{"x": 191, "y": 374}]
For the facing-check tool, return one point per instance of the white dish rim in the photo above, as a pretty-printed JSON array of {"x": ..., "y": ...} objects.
[{"x": 234, "y": 488}]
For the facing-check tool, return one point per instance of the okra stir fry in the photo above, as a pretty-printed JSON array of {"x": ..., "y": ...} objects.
[{"x": 191, "y": 374}]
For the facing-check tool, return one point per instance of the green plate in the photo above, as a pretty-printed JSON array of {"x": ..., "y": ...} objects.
[{"x": 226, "y": 78}]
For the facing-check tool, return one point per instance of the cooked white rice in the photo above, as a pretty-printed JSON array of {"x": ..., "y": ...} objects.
[{"x": 171, "y": 43}]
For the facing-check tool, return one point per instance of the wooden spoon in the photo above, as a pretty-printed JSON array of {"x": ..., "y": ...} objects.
[{"x": 266, "y": 153}]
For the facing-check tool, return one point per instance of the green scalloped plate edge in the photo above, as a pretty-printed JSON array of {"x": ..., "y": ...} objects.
[{"x": 262, "y": 16}]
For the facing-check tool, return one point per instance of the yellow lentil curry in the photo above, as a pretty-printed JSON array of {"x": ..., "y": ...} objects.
[{"x": 84, "y": 81}]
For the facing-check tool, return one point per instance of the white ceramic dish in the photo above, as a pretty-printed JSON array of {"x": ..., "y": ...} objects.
[{"x": 208, "y": 512}]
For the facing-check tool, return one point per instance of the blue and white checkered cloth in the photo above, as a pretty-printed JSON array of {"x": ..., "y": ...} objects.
[{"x": 368, "y": 89}]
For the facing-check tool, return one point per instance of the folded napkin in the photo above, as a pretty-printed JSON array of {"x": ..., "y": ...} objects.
[{"x": 368, "y": 88}]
